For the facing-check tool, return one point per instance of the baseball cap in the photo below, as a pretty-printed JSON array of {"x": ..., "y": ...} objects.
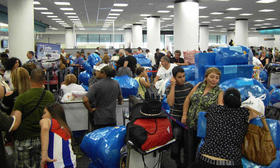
[{"x": 99, "y": 67}]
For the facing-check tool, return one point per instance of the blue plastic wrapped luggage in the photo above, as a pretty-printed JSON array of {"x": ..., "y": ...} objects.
[
  {"x": 189, "y": 72},
  {"x": 84, "y": 77},
  {"x": 233, "y": 71},
  {"x": 87, "y": 67},
  {"x": 275, "y": 97},
  {"x": 202, "y": 59},
  {"x": 142, "y": 60},
  {"x": 234, "y": 55},
  {"x": 164, "y": 104},
  {"x": 245, "y": 85},
  {"x": 129, "y": 86},
  {"x": 263, "y": 76},
  {"x": 103, "y": 146},
  {"x": 201, "y": 125},
  {"x": 85, "y": 86},
  {"x": 93, "y": 59}
]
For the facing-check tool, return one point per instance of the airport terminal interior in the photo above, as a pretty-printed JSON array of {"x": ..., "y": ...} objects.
[{"x": 140, "y": 83}]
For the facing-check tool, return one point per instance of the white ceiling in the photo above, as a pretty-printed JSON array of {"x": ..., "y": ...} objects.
[{"x": 92, "y": 13}]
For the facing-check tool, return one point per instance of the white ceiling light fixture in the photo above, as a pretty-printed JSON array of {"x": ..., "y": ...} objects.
[
  {"x": 47, "y": 13},
  {"x": 206, "y": 22},
  {"x": 211, "y": 27},
  {"x": 202, "y": 7},
  {"x": 114, "y": 14},
  {"x": 264, "y": 27},
  {"x": 219, "y": 26},
  {"x": 232, "y": 24},
  {"x": 62, "y": 3},
  {"x": 120, "y": 4},
  {"x": 145, "y": 15},
  {"x": 116, "y": 10},
  {"x": 253, "y": 28},
  {"x": 82, "y": 28},
  {"x": 56, "y": 19},
  {"x": 234, "y": 9},
  {"x": 70, "y": 13},
  {"x": 203, "y": 17},
  {"x": 120, "y": 29},
  {"x": 171, "y": 16},
  {"x": 259, "y": 20},
  {"x": 143, "y": 20},
  {"x": 271, "y": 19},
  {"x": 66, "y": 9},
  {"x": 36, "y": 3},
  {"x": 52, "y": 16},
  {"x": 163, "y": 11},
  {"x": 267, "y": 24},
  {"x": 59, "y": 21},
  {"x": 223, "y": 0},
  {"x": 166, "y": 18},
  {"x": 266, "y": 1},
  {"x": 112, "y": 17},
  {"x": 229, "y": 17},
  {"x": 170, "y": 6},
  {"x": 40, "y": 8},
  {"x": 267, "y": 10},
  {"x": 216, "y": 20},
  {"x": 246, "y": 14},
  {"x": 217, "y": 13},
  {"x": 257, "y": 24},
  {"x": 73, "y": 17}
]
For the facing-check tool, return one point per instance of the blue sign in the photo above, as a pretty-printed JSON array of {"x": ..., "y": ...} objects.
[{"x": 47, "y": 51}]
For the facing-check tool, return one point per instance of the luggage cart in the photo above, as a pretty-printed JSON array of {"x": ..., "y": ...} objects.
[{"x": 131, "y": 157}]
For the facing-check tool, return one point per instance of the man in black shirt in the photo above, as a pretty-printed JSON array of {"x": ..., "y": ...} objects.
[
  {"x": 177, "y": 58},
  {"x": 158, "y": 56},
  {"x": 176, "y": 95},
  {"x": 130, "y": 60}
]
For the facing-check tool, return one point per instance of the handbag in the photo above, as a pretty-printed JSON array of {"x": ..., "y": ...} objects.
[{"x": 258, "y": 145}]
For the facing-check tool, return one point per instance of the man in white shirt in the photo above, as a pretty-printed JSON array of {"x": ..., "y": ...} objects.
[{"x": 164, "y": 73}]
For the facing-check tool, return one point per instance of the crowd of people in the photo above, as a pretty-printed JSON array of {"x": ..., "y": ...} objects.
[{"x": 39, "y": 124}]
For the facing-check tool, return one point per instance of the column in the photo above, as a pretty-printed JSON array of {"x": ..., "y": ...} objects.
[
  {"x": 137, "y": 36},
  {"x": 153, "y": 33},
  {"x": 241, "y": 32},
  {"x": 21, "y": 28},
  {"x": 186, "y": 25},
  {"x": 69, "y": 38},
  {"x": 203, "y": 37},
  {"x": 230, "y": 36},
  {"x": 127, "y": 37}
]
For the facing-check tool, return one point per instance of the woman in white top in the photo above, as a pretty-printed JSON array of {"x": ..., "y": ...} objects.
[{"x": 69, "y": 85}]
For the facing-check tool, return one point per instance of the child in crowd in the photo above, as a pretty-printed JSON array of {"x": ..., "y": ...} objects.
[
  {"x": 56, "y": 149},
  {"x": 143, "y": 81}
]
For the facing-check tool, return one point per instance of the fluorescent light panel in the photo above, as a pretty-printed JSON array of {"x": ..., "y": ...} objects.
[
  {"x": 59, "y": 21},
  {"x": 73, "y": 16},
  {"x": 47, "y": 13},
  {"x": 203, "y": 17},
  {"x": 62, "y": 3},
  {"x": 258, "y": 20},
  {"x": 266, "y": 1},
  {"x": 216, "y": 20},
  {"x": 52, "y": 16},
  {"x": 163, "y": 11},
  {"x": 114, "y": 14},
  {"x": 112, "y": 17},
  {"x": 36, "y": 3},
  {"x": 145, "y": 15},
  {"x": 116, "y": 10},
  {"x": 234, "y": 9},
  {"x": 266, "y": 10},
  {"x": 271, "y": 19},
  {"x": 229, "y": 17},
  {"x": 120, "y": 4},
  {"x": 170, "y": 6},
  {"x": 70, "y": 13},
  {"x": 205, "y": 22},
  {"x": 40, "y": 8},
  {"x": 76, "y": 19},
  {"x": 66, "y": 9},
  {"x": 56, "y": 19},
  {"x": 216, "y": 13},
  {"x": 202, "y": 7},
  {"x": 166, "y": 18},
  {"x": 246, "y": 14},
  {"x": 171, "y": 16}
]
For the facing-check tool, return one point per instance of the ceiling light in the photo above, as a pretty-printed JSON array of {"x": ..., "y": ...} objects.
[
  {"x": 231, "y": 27},
  {"x": 234, "y": 9},
  {"x": 253, "y": 28},
  {"x": 59, "y": 21},
  {"x": 211, "y": 27},
  {"x": 73, "y": 16},
  {"x": 56, "y": 19},
  {"x": 53, "y": 28},
  {"x": 114, "y": 14},
  {"x": 109, "y": 20},
  {"x": 271, "y": 19},
  {"x": 266, "y": 1},
  {"x": 206, "y": 22},
  {"x": 232, "y": 24},
  {"x": 258, "y": 20},
  {"x": 202, "y": 7},
  {"x": 246, "y": 14},
  {"x": 229, "y": 17},
  {"x": 70, "y": 13},
  {"x": 203, "y": 17},
  {"x": 217, "y": 13},
  {"x": 171, "y": 16},
  {"x": 62, "y": 3},
  {"x": 223, "y": 0},
  {"x": 264, "y": 27},
  {"x": 145, "y": 15},
  {"x": 112, "y": 17},
  {"x": 116, "y": 10},
  {"x": 212, "y": 30},
  {"x": 40, "y": 8},
  {"x": 52, "y": 16},
  {"x": 266, "y": 10},
  {"x": 257, "y": 24},
  {"x": 219, "y": 26},
  {"x": 170, "y": 6},
  {"x": 216, "y": 20},
  {"x": 138, "y": 22},
  {"x": 163, "y": 11},
  {"x": 120, "y": 4},
  {"x": 143, "y": 20},
  {"x": 75, "y": 19},
  {"x": 166, "y": 18},
  {"x": 120, "y": 29},
  {"x": 47, "y": 13},
  {"x": 36, "y": 3},
  {"x": 82, "y": 28},
  {"x": 3, "y": 24},
  {"x": 66, "y": 9},
  {"x": 266, "y": 24}
]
